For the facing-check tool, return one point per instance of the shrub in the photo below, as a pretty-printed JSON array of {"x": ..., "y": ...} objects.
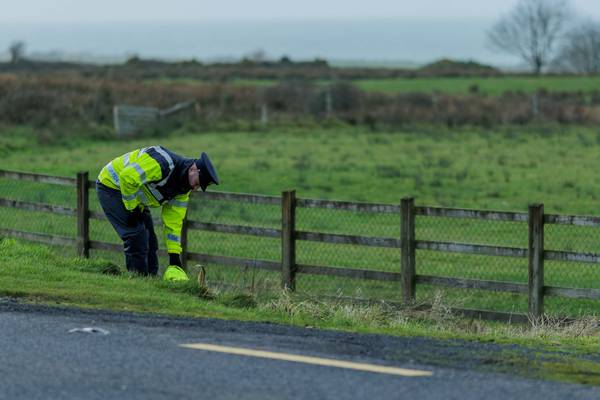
[{"x": 54, "y": 100}]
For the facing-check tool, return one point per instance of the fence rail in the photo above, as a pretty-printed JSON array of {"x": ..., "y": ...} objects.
[
  {"x": 353, "y": 273},
  {"x": 39, "y": 237},
  {"x": 467, "y": 213},
  {"x": 27, "y": 176},
  {"x": 407, "y": 244},
  {"x": 244, "y": 197},
  {"x": 576, "y": 220},
  {"x": 348, "y": 239},
  {"x": 466, "y": 248},
  {"x": 494, "y": 286},
  {"x": 348, "y": 206},
  {"x": 42, "y": 207},
  {"x": 236, "y": 229}
]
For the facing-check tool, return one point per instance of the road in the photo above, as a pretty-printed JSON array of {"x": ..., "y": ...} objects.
[{"x": 44, "y": 354}]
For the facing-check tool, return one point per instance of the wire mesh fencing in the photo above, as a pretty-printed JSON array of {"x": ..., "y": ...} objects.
[
  {"x": 477, "y": 236},
  {"x": 38, "y": 208},
  {"x": 464, "y": 258},
  {"x": 230, "y": 235},
  {"x": 339, "y": 239},
  {"x": 572, "y": 274}
]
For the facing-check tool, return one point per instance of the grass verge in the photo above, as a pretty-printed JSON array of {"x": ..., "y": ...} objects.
[{"x": 40, "y": 274}]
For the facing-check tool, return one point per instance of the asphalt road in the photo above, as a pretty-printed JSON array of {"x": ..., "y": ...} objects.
[{"x": 141, "y": 357}]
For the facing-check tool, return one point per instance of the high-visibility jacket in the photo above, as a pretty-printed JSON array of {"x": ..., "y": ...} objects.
[{"x": 153, "y": 177}]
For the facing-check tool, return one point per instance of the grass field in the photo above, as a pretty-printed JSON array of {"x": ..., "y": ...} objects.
[
  {"x": 235, "y": 82},
  {"x": 493, "y": 86},
  {"x": 471, "y": 168},
  {"x": 505, "y": 169}
]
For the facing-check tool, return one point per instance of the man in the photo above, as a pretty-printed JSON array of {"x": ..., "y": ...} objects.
[{"x": 151, "y": 177}]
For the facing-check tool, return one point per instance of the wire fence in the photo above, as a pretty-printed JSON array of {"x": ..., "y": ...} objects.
[
  {"x": 572, "y": 274},
  {"x": 473, "y": 266},
  {"x": 56, "y": 197},
  {"x": 350, "y": 255},
  {"x": 470, "y": 259},
  {"x": 253, "y": 248}
]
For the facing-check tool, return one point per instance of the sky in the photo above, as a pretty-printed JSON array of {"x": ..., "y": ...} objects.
[
  {"x": 401, "y": 32},
  {"x": 186, "y": 10}
]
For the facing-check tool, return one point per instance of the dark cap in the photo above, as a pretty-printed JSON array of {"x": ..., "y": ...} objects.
[{"x": 207, "y": 172}]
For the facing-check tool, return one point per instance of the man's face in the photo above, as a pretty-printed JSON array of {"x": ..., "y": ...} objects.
[{"x": 193, "y": 177}]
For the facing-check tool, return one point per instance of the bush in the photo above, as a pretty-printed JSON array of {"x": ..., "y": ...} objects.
[{"x": 56, "y": 100}]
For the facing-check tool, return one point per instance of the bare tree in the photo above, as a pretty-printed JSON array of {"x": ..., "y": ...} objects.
[
  {"x": 531, "y": 30},
  {"x": 581, "y": 49},
  {"x": 257, "y": 56},
  {"x": 16, "y": 50}
]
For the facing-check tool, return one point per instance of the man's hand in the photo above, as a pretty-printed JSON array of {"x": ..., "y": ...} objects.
[{"x": 174, "y": 259}]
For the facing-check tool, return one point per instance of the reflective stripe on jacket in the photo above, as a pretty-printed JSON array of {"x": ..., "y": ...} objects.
[{"x": 142, "y": 176}]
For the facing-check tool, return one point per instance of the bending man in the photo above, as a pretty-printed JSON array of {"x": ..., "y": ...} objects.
[{"x": 151, "y": 177}]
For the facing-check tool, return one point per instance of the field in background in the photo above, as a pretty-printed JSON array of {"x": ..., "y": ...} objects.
[
  {"x": 472, "y": 168},
  {"x": 493, "y": 86},
  {"x": 503, "y": 170},
  {"x": 234, "y": 82}
]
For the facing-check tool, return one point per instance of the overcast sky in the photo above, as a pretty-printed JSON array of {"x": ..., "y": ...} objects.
[
  {"x": 147, "y": 10},
  {"x": 357, "y": 30}
]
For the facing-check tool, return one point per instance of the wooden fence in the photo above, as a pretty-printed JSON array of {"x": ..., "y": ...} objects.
[{"x": 406, "y": 276}]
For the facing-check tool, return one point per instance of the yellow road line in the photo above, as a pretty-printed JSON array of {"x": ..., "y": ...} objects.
[{"x": 327, "y": 362}]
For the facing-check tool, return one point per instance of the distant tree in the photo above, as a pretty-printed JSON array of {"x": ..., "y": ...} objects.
[
  {"x": 531, "y": 30},
  {"x": 285, "y": 60},
  {"x": 17, "y": 51},
  {"x": 257, "y": 56},
  {"x": 133, "y": 59},
  {"x": 581, "y": 49}
]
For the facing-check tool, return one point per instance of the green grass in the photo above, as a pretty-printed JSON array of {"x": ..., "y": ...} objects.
[
  {"x": 468, "y": 168},
  {"x": 42, "y": 274},
  {"x": 460, "y": 85},
  {"x": 200, "y": 82},
  {"x": 492, "y": 86},
  {"x": 505, "y": 169}
]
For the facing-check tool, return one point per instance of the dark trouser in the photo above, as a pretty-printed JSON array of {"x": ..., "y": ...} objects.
[{"x": 137, "y": 234}]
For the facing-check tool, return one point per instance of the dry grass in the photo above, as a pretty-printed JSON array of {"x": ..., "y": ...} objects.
[
  {"x": 435, "y": 313},
  {"x": 55, "y": 100},
  {"x": 549, "y": 326}
]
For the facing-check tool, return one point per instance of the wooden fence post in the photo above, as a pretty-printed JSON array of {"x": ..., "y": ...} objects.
[
  {"x": 328, "y": 102},
  {"x": 407, "y": 244},
  {"x": 288, "y": 240},
  {"x": 536, "y": 260},
  {"x": 83, "y": 221},
  {"x": 264, "y": 115},
  {"x": 184, "y": 242},
  {"x": 535, "y": 104}
]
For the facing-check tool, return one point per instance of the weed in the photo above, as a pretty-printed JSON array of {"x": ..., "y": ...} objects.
[
  {"x": 238, "y": 300},
  {"x": 262, "y": 165},
  {"x": 445, "y": 162},
  {"x": 388, "y": 171}
]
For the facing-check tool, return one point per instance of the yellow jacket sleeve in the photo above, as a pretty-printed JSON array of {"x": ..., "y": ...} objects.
[
  {"x": 173, "y": 213},
  {"x": 136, "y": 174}
]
